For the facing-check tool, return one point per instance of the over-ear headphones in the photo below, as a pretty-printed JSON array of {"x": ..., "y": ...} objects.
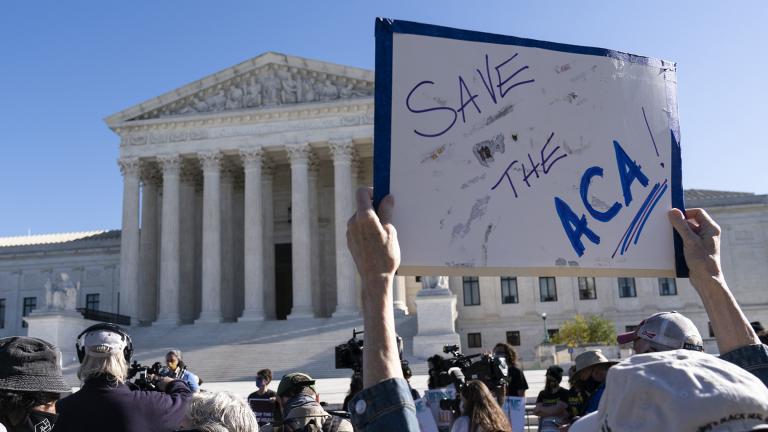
[{"x": 114, "y": 328}]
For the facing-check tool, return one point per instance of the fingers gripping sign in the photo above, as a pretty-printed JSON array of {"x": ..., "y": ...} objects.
[
  {"x": 371, "y": 238},
  {"x": 701, "y": 241}
]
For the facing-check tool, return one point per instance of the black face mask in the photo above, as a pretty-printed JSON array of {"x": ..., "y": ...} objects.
[
  {"x": 591, "y": 384},
  {"x": 36, "y": 421}
]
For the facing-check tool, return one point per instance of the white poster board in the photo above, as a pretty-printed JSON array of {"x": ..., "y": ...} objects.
[
  {"x": 443, "y": 418},
  {"x": 514, "y": 408},
  {"x": 516, "y": 156}
]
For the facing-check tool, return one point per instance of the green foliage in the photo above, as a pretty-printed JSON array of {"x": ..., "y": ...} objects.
[{"x": 583, "y": 330}]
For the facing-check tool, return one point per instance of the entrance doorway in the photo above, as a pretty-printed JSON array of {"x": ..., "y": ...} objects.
[{"x": 283, "y": 280}]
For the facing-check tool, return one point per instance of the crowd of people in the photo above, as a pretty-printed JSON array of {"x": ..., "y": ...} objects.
[{"x": 669, "y": 384}]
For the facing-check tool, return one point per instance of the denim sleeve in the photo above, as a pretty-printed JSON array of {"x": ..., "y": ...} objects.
[
  {"x": 752, "y": 358},
  {"x": 387, "y": 406}
]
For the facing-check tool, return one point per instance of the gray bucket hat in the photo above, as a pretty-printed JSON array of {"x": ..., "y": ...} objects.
[{"x": 30, "y": 364}]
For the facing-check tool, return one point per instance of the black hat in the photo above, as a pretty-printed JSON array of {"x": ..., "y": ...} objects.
[
  {"x": 30, "y": 364},
  {"x": 555, "y": 371},
  {"x": 757, "y": 327}
]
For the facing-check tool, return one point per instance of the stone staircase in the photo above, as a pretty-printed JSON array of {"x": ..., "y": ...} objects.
[{"x": 235, "y": 351}]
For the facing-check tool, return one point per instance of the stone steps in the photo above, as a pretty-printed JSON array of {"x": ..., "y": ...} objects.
[{"x": 235, "y": 351}]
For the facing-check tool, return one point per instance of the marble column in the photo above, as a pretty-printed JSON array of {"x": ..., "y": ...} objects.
[
  {"x": 253, "y": 233},
  {"x": 300, "y": 231},
  {"x": 211, "y": 278},
  {"x": 268, "y": 213},
  {"x": 342, "y": 152},
  {"x": 129, "y": 240},
  {"x": 168, "y": 307},
  {"x": 187, "y": 244},
  {"x": 314, "y": 239},
  {"x": 227, "y": 249},
  {"x": 399, "y": 296},
  {"x": 148, "y": 248}
]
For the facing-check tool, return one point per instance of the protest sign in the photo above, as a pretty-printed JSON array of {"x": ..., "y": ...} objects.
[
  {"x": 424, "y": 416},
  {"x": 443, "y": 418},
  {"x": 263, "y": 409},
  {"x": 516, "y": 156},
  {"x": 514, "y": 408}
]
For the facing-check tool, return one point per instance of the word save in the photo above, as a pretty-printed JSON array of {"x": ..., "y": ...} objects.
[{"x": 504, "y": 83}]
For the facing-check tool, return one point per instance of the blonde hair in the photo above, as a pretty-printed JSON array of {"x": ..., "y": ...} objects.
[
  {"x": 220, "y": 412},
  {"x": 112, "y": 367}
]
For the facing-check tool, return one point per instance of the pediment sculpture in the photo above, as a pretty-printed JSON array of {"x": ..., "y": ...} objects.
[{"x": 266, "y": 87}]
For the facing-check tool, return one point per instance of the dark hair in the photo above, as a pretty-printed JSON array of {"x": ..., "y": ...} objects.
[
  {"x": 509, "y": 352},
  {"x": 482, "y": 409},
  {"x": 265, "y": 373},
  {"x": 11, "y": 401}
]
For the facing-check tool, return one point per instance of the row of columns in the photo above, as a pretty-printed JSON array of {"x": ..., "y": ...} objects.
[{"x": 257, "y": 196}]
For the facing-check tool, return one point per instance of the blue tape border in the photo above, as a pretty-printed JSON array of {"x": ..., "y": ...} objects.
[
  {"x": 382, "y": 131},
  {"x": 382, "y": 120}
]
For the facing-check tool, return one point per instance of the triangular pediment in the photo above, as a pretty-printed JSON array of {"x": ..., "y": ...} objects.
[{"x": 267, "y": 81}]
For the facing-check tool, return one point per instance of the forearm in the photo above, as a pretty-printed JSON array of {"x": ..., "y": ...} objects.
[
  {"x": 380, "y": 356},
  {"x": 732, "y": 329}
]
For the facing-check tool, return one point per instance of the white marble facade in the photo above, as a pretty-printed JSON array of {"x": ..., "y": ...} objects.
[{"x": 219, "y": 172}]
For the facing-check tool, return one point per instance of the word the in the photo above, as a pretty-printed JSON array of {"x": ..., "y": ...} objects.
[
  {"x": 547, "y": 161},
  {"x": 575, "y": 227},
  {"x": 504, "y": 75}
]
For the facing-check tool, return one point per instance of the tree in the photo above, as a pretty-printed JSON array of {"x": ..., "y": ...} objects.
[{"x": 581, "y": 330}]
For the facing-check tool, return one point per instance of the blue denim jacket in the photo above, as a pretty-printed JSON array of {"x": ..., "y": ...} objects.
[
  {"x": 387, "y": 406},
  {"x": 752, "y": 358}
]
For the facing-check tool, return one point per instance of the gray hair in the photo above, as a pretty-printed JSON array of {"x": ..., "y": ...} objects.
[
  {"x": 220, "y": 412},
  {"x": 113, "y": 366}
]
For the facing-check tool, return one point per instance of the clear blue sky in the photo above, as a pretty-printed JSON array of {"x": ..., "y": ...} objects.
[{"x": 65, "y": 65}]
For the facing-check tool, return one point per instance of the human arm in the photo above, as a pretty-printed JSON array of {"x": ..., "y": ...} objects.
[
  {"x": 385, "y": 403},
  {"x": 169, "y": 405},
  {"x": 701, "y": 246},
  {"x": 191, "y": 380},
  {"x": 557, "y": 410}
]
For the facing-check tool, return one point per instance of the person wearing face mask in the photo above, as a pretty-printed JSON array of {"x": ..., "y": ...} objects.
[
  {"x": 552, "y": 403},
  {"x": 177, "y": 369},
  {"x": 262, "y": 393},
  {"x": 515, "y": 383},
  {"x": 479, "y": 411},
  {"x": 591, "y": 369}
]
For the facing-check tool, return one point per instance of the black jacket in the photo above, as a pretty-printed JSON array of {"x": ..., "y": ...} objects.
[{"x": 103, "y": 406}]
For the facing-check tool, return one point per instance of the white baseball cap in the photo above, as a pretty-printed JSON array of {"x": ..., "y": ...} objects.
[
  {"x": 104, "y": 343},
  {"x": 671, "y": 329},
  {"x": 679, "y": 390}
]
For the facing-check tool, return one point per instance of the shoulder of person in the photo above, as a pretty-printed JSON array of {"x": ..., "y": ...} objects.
[{"x": 461, "y": 424}]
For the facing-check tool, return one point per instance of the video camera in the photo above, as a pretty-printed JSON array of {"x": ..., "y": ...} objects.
[
  {"x": 349, "y": 355},
  {"x": 490, "y": 369},
  {"x": 140, "y": 375}
]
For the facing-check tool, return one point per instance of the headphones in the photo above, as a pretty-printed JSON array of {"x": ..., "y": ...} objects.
[{"x": 114, "y": 328}]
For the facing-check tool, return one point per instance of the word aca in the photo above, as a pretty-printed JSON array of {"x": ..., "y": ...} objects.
[
  {"x": 577, "y": 227},
  {"x": 492, "y": 92}
]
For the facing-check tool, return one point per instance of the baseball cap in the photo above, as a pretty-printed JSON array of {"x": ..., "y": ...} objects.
[
  {"x": 294, "y": 381},
  {"x": 104, "y": 343},
  {"x": 30, "y": 364},
  {"x": 555, "y": 371},
  {"x": 671, "y": 329},
  {"x": 680, "y": 390}
]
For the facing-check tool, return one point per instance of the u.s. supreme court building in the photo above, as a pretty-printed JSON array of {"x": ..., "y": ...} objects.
[{"x": 236, "y": 193}]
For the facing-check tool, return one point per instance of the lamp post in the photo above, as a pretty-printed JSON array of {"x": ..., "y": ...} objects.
[{"x": 546, "y": 333}]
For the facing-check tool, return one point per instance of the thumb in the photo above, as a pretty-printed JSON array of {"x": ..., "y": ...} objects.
[
  {"x": 386, "y": 207},
  {"x": 680, "y": 224}
]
